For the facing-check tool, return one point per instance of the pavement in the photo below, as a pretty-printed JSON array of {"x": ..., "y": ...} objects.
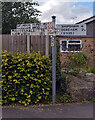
[{"x": 79, "y": 110}]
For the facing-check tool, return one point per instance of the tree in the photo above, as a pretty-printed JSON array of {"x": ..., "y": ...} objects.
[{"x": 14, "y": 13}]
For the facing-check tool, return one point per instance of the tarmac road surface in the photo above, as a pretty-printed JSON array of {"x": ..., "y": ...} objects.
[{"x": 84, "y": 110}]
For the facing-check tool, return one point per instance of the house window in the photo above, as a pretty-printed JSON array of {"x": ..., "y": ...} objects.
[
  {"x": 71, "y": 45},
  {"x": 64, "y": 46}
]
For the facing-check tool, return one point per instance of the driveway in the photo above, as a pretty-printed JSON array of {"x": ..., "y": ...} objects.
[{"x": 53, "y": 111}]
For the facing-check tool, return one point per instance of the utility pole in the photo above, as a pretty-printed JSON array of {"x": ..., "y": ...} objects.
[{"x": 53, "y": 61}]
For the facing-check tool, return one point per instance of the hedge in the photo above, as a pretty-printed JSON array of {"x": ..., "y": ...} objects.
[{"x": 26, "y": 78}]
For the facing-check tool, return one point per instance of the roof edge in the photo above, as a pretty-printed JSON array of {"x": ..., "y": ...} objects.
[{"x": 86, "y": 20}]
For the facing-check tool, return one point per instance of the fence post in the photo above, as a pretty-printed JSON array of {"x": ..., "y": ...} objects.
[
  {"x": 28, "y": 42},
  {"x": 12, "y": 43},
  {"x": 47, "y": 43}
]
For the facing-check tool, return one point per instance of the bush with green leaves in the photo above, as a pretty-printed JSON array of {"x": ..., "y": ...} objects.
[
  {"x": 26, "y": 78},
  {"x": 60, "y": 77},
  {"x": 75, "y": 62},
  {"x": 89, "y": 70},
  {"x": 65, "y": 98}
]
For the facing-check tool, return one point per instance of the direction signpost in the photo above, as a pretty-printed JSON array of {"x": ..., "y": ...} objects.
[
  {"x": 47, "y": 29},
  {"x": 53, "y": 44}
]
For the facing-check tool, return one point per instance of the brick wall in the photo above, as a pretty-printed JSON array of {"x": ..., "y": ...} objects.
[
  {"x": 87, "y": 47},
  {"x": 94, "y": 51}
]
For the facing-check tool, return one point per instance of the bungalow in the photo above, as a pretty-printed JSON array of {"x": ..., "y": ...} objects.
[{"x": 78, "y": 37}]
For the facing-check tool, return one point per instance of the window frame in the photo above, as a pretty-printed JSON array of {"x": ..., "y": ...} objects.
[{"x": 70, "y": 44}]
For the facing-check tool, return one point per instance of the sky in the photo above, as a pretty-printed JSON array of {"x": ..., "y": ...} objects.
[{"x": 65, "y": 10}]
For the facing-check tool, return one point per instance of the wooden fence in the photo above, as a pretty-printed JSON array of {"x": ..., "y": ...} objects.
[{"x": 24, "y": 43}]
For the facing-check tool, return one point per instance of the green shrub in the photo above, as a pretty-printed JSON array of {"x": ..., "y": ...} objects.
[
  {"x": 26, "y": 78},
  {"x": 89, "y": 70},
  {"x": 61, "y": 85},
  {"x": 84, "y": 100},
  {"x": 92, "y": 99},
  {"x": 66, "y": 98},
  {"x": 75, "y": 63},
  {"x": 76, "y": 60}
]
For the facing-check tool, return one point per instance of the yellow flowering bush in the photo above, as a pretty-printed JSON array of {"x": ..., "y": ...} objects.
[
  {"x": 76, "y": 60},
  {"x": 75, "y": 63},
  {"x": 26, "y": 78}
]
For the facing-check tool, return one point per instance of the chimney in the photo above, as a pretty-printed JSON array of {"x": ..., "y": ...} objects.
[{"x": 53, "y": 21}]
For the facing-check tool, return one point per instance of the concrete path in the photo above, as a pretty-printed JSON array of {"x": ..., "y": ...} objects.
[{"x": 55, "y": 111}]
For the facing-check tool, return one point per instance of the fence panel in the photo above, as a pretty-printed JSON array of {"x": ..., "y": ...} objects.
[
  {"x": 19, "y": 43},
  {"x": 37, "y": 43}
]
